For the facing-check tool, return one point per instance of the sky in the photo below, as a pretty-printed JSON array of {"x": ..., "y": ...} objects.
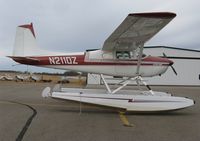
[{"x": 75, "y": 25}]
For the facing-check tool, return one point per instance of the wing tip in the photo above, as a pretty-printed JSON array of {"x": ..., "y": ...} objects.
[{"x": 154, "y": 14}]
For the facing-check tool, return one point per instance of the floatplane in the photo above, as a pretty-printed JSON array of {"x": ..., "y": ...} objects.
[{"x": 121, "y": 55}]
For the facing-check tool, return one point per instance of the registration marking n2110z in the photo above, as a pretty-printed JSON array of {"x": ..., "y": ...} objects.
[{"x": 63, "y": 60}]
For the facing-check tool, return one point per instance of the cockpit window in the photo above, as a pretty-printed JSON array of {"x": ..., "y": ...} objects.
[
  {"x": 127, "y": 55},
  {"x": 144, "y": 55},
  {"x": 123, "y": 55}
]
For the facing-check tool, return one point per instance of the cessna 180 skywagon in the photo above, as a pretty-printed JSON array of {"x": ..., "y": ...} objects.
[{"x": 121, "y": 55}]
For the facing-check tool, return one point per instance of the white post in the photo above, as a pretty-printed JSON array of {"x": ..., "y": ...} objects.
[{"x": 80, "y": 106}]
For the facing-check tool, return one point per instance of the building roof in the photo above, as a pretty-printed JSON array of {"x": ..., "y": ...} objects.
[{"x": 193, "y": 50}]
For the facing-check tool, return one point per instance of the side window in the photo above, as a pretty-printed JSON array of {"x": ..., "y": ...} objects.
[
  {"x": 119, "y": 55},
  {"x": 123, "y": 55},
  {"x": 126, "y": 55}
]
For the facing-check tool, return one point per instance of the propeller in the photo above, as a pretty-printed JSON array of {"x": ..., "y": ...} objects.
[{"x": 171, "y": 64}]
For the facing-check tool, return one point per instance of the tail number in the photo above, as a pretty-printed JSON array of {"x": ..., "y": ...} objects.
[{"x": 63, "y": 60}]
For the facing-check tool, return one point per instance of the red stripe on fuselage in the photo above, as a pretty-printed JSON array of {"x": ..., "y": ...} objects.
[{"x": 80, "y": 60}]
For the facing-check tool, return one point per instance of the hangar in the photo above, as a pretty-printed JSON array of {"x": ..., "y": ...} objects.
[{"x": 186, "y": 63}]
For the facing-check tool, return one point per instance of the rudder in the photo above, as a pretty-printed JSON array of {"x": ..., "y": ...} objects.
[{"x": 25, "y": 41}]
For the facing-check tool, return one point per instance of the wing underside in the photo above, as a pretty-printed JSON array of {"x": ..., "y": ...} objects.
[{"x": 137, "y": 29}]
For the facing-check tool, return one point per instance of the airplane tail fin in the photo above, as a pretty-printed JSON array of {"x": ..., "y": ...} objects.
[{"x": 25, "y": 41}]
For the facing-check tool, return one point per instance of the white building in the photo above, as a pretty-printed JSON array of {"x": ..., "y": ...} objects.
[{"x": 186, "y": 63}]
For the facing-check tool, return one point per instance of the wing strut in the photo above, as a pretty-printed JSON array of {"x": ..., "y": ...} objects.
[
  {"x": 105, "y": 83},
  {"x": 138, "y": 79},
  {"x": 126, "y": 82},
  {"x": 139, "y": 58}
]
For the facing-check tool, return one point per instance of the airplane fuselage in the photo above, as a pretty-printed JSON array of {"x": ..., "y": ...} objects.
[{"x": 150, "y": 66}]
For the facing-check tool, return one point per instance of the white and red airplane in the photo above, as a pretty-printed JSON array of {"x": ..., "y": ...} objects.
[{"x": 121, "y": 55}]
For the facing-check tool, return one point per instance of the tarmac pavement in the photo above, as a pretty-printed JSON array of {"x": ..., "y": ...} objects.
[{"x": 25, "y": 115}]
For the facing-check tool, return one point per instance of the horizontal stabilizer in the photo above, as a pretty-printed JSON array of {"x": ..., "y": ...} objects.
[{"x": 24, "y": 59}]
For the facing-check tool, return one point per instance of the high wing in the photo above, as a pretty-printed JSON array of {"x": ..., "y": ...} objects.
[{"x": 137, "y": 29}]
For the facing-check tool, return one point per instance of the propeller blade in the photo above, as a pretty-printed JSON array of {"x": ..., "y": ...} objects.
[
  {"x": 171, "y": 65},
  {"x": 173, "y": 69},
  {"x": 164, "y": 55}
]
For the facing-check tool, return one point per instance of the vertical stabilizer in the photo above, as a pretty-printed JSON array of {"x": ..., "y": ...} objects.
[{"x": 25, "y": 41}]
